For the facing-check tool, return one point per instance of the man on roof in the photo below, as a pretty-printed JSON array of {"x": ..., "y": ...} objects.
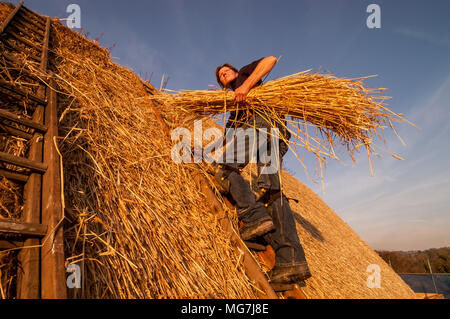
[{"x": 274, "y": 224}]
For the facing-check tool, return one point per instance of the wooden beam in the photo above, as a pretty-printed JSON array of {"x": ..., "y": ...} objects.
[
  {"x": 44, "y": 56},
  {"x": 7, "y": 86},
  {"x": 294, "y": 292},
  {"x": 22, "y": 120},
  {"x": 159, "y": 118},
  {"x": 28, "y": 278},
  {"x": 10, "y": 17},
  {"x": 10, "y": 100},
  {"x": 7, "y": 44},
  {"x": 53, "y": 273},
  {"x": 23, "y": 40},
  {"x": 15, "y": 132},
  {"x": 252, "y": 268},
  {"x": 24, "y": 18},
  {"x": 255, "y": 246},
  {"x": 20, "y": 228},
  {"x": 21, "y": 71},
  {"x": 29, "y": 283},
  {"x": 19, "y": 26},
  {"x": 18, "y": 177},
  {"x": 35, "y": 166},
  {"x": 31, "y": 14}
]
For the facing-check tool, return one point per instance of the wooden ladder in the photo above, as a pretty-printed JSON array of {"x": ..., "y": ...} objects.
[
  {"x": 265, "y": 254},
  {"x": 38, "y": 235}
]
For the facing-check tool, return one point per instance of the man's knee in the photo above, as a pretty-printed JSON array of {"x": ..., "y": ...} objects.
[
  {"x": 222, "y": 175},
  {"x": 269, "y": 196}
]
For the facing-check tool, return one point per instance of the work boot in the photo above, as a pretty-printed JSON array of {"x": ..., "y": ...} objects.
[
  {"x": 258, "y": 228},
  {"x": 289, "y": 274}
]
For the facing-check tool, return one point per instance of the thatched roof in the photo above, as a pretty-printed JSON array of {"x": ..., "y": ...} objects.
[
  {"x": 338, "y": 257},
  {"x": 136, "y": 221}
]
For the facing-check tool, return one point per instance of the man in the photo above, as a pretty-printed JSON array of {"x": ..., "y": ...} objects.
[{"x": 275, "y": 224}]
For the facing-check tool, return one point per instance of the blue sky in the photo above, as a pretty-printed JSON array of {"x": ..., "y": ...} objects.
[{"x": 406, "y": 204}]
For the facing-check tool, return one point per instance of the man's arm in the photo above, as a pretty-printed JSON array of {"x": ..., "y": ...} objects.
[{"x": 263, "y": 67}]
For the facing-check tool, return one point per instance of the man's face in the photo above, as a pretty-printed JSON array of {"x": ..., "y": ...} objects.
[{"x": 226, "y": 75}]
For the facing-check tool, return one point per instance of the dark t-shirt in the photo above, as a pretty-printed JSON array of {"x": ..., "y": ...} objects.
[{"x": 243, "y": 74}]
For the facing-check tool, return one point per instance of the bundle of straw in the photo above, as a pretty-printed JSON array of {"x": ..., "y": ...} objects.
[{"x": 340, "y": 111}]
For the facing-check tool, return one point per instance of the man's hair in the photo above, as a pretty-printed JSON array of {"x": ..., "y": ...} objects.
[{"x": 218, "y": 69}]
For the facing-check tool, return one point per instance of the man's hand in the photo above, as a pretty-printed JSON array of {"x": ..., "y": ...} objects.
[
  {"x": 240, "y": 94},
  {"x": 263, "y": 67}
]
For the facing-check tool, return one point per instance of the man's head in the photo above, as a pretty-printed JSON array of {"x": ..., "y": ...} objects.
[{"x": 225, "y": 73}]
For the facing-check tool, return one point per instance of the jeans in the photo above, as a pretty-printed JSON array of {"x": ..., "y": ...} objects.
[{"x": 284, "y": 239}]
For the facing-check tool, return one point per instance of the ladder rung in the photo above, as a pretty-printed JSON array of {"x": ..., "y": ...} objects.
[
  {"x": 16, "y": 102},
  {"x": 13, "y": 66},
  {"x": 7, "y": 86},
  {"x": 18, "y": 177},
  {"x": 10, "y": 244},
  {"x": 20, "y": 27},
  {"x": 255, "y": 246},
  {"x": 16, "y": 71},
  {"x": 37, "y": 167},
  {"x": 23, "y": 40},
  {"x": 24, "y": 229},
  {"x": 15, "y": 132},
  {"x": 31, "y": 13},
  {"x": 282, "y": 287},
  {"x": 25, "y": 19},
  {"x": 10, "y": 46},
  {"x": 31, "y": 16},
  {"x": 22, "y": 120}
]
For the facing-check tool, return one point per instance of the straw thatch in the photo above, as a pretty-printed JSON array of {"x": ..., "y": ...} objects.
[
  {"x": 140, "y": 228},
  {"x": 135, "y": 221}
]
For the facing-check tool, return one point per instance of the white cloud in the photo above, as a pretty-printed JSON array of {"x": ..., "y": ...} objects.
[{"x": 424, "y": 36}]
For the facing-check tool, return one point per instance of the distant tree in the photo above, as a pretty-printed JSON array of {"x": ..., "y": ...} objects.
[{"x": 417, "y": 261}]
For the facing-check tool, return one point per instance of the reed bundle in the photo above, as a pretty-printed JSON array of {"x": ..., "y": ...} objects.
[{"x": 325, "y": 112}]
